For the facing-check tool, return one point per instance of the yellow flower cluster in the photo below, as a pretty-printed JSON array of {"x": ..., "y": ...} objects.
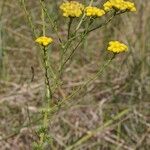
[
  {"x": 72, "y": 9},
  {"x": 117, "y": 47},
  {"x": 94, "y": 11},
  {"x": 44, "y": 41},
  {"x": 119, "y": 5}
]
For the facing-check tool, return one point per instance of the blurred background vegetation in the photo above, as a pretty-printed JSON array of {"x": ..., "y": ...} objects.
[{"x": 124, "y": 84}]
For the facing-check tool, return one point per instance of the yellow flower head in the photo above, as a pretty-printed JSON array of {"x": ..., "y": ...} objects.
[
  {"x": 72, "y": 9},
  {"x": 94, "y": 11},
  {"x": 119, "y": 5},
  {"x": 117, "y": 47},
  {"x": 44, "y": 41}
]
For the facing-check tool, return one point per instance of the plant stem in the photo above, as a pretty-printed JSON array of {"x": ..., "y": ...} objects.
[
  {"x": 78, "y": 44},
  {"x": 48, "y": 91},
  {"x": 69, "y": 26},
  {"x": 52, "y": 22},
  {"x": 103, "y": 24},
  {"x": 78, "y": 26},
  {"x": 86, "y": 83},
  {"x": 47, "y": 83},
  {"x": 48, "y": 94}
]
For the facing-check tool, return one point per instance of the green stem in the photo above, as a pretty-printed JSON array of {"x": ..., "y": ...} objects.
[
  {"x": 107, "y": 21},
  {"x": 47, "y": 83},
  {"x": 85, "y": 32},
  {"x": 48, "y": 91},
  {"x": 79, "y": 89},
  {"x": 78, "y": 44},
  {"x": 103, "y": 24},
  {"x": 52, "y": 22},
  {"x": 78, "y": 26},
  {"x": 69, "y": 26},
  {"x": 48, "y": 95}
]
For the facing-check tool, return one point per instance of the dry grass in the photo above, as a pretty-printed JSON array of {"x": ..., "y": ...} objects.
[{"x": 125, "y": 84}]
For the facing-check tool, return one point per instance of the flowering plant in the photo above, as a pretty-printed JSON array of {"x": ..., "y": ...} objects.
[{"x": 85, "y": 16}]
